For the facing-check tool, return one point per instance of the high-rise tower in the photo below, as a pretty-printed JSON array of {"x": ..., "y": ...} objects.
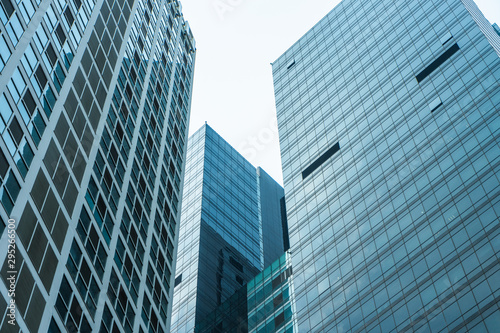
[
  {"x": 389, "y": 125},
  {"x": 228, "y": 205},
  {"x": 94, "y": 101}
]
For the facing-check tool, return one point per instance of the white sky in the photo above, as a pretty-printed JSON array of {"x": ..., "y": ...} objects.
[{"x": 236, "y": 41}]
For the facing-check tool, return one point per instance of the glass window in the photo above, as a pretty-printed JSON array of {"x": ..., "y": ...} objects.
[
  {"x": 50, "y": 18},
  {"x": 6, "y": 10},
  {"x": 29, "y": 60},
  {"x": 4, "y": 52},
  {"x": 14, "y": 29},
  {"x": 27, "y": 10},
  {"x": 12, "y": 186},
  {"x": 9, "y": 143},
  {"x": 40, "y": 39}
]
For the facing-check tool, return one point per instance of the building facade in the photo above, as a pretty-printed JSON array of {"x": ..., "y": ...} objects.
[
  {"x": 388, "y": 115},
  {"x": 224, "y": 216},
  {"x": 95, "y": 102},
  {"x": 264, "y": 304}
]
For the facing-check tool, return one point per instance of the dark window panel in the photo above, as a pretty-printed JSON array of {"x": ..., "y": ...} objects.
[
  {"x": 69, "y": 16},
  {"x": 49, "y": 210},
  {"x": 29, "y": 102},
  {"x": 16, "y": 131},
  {"x": 48, "y": 269},
  {"x": 40, "y": 77},
  {"x": 59, "y": 230},
  {"x": 77, "y": 3},
  {"x": 35, "y": 310},
  {"x": 279, "y": 319},
  {"x": 438, "y": 62},
  {"x": 37, "y": 247},
  {"x": 12, "y": 186}
]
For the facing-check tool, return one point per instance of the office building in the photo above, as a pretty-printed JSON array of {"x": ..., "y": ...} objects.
[
  {"x": 228, "y": 205},
  {"x": 388, "y": 116},
  {"x": 94, "y": 99},
  {"x": 264, "y": 304}
]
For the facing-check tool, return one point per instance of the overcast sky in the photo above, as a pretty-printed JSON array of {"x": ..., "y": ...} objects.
[{"x": 236, "y": 41}]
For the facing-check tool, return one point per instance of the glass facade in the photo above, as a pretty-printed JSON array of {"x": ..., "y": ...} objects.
[
  {"x": 95, "y": 102},
  {"x": 497, "y": 28},
  {"x": 263, "y": 305},
  {"x": 221, "y": 244},
  {"x": 389, "y": 123}
]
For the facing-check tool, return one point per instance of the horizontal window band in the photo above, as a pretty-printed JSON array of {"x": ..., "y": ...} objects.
[
  {"x": 438, "y": 62},
  {"x": 322, "y": 159}
]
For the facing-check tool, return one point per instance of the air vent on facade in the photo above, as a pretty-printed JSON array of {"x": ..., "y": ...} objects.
[{"x": 290, "y": 64}]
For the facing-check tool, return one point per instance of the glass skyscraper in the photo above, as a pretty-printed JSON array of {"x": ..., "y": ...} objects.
[
  {"x": 228, "y": 205},
  {"x": 389, "y": 125},
  {"x": 264, "y": 304},
  {"x": 94, "y": 101}
]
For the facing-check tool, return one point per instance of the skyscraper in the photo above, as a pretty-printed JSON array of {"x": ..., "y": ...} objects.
[
  {"x": 227, "y": 206},
  {"x": 94, "y": 99},
  {"x": 388, "y": 115}
]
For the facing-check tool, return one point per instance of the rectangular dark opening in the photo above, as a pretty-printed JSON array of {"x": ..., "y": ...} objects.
[
  {"x": 436, "y": 107},
  {"x": 178, "y": 280},
  {"x": 284, "y": 225},
  {"x": 236, "y": 264},
  {"x": 279, "y": 319},
  {"x": 446, "y": 40},
  {"x": 322, "y": 159},
  {"x": 277, "y": 281},
  {"x": 438, "y": 62}
]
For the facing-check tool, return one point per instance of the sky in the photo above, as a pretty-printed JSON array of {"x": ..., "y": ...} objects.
[{"x": 236, "y": 42}]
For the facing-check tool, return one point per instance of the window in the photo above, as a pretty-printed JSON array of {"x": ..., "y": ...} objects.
[
  {"x": 5, "y": 112},
  {"x": 14, "y": 29},
  {"x": 4, "y": 166},
  {"x": 16, "y": 85},
  {"x": 40, "y": 77},
  {"x": 435, "y": 104},
  {"x": 8, "y": 9},
  {"x": 10, "y": 192},
  {"x": 323, "y": 158},
  {"x": 4, "y": 52},
  {"x": 446, "y": 38},
  {"x": 438, "y": 62}
]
